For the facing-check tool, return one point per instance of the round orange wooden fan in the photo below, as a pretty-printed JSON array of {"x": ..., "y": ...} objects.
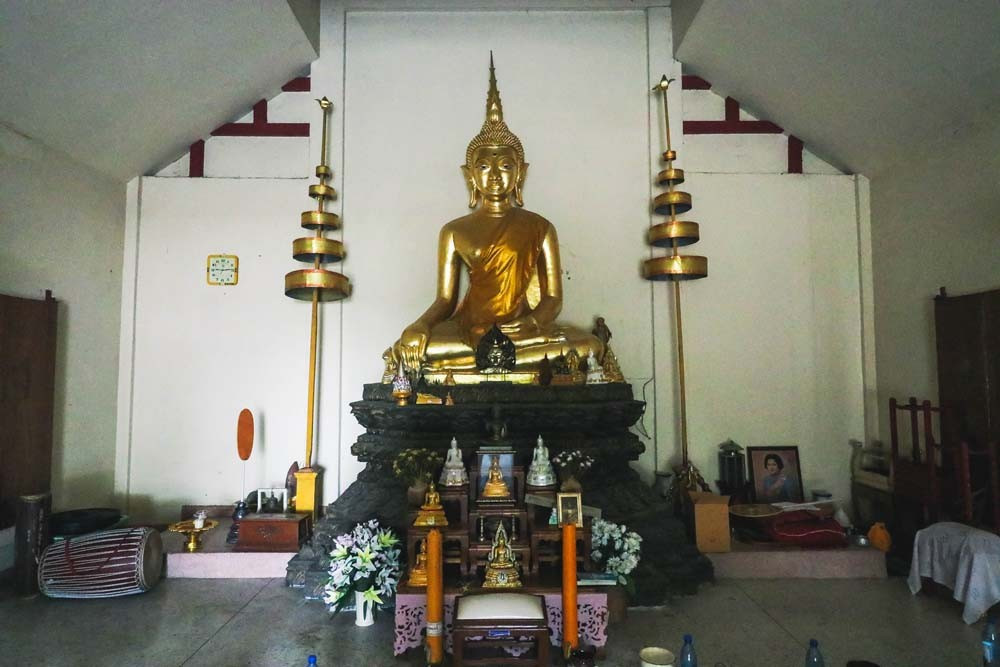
[{"x": 244, "y": 434}]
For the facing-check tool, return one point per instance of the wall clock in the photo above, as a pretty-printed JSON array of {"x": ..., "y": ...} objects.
[{"x": 222, "y": 269}]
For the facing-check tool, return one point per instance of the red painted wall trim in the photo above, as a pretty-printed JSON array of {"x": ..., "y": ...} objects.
[
  {"x": 692, "y": 82},
  {"x": 303, "y": 84},
  {"x": 269, "y": 130},
  {"x": 260, "y": 113},
  {"x": 732, "y": 110},
  {"x": 795, "y": 146},
  {"x": 260, "y": 127},
  {"x": 728, "y": 127},
  {"x": 733, "y": 125},
  {"x": 196, "y": 159}
]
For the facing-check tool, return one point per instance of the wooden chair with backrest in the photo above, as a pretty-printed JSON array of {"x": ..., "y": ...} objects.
[
  {"x": 979, "y": 481},
  {"x": 926, "y": 475}
]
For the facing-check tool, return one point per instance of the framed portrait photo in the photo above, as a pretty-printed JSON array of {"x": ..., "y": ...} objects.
[
  {"x": 569, "y": 508},
  {"x": 776, "y": 474}
]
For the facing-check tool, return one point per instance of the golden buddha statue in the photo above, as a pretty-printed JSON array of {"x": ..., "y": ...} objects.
[
  {"x": 418, "y": 573},
  {"x": 501, "y": 564},
  {"x": 431, "y": 512},
  {"x": 496, "y": 485},
  {"x": 512, "y": 257}
]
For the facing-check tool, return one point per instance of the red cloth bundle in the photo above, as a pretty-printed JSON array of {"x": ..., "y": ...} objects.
[{"x": 806, "y": 529}]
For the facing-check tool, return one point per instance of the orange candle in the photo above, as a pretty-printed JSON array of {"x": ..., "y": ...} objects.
[
  {"x": 570, "y": 637},
  {"x": 435, "y": 598}
]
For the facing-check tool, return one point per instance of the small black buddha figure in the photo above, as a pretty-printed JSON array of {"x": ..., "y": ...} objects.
[{"x": 495, "y": 352}]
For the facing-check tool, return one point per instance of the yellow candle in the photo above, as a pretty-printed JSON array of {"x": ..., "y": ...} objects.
[
  {"x": 435, "y": 598},
  {"x": 570, "y": 638}
]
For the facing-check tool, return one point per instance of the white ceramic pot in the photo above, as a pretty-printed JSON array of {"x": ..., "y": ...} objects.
[
  {"x": 364, "y": 611},
  {"x": 654, "y": 656}
]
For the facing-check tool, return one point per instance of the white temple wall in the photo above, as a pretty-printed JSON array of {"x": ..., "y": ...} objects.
[
  {"x": 773, "y": 335},
  {"x": 921, "y": 243},
  {"x": 61, "y": 229},
  {"x": 201, "y": 353}
]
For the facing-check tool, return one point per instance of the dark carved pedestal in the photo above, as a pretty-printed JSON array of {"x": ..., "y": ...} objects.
[{"x": 592, "y": 418}]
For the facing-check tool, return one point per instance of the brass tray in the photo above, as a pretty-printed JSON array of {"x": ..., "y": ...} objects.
[{"x": 756, "y": 511}]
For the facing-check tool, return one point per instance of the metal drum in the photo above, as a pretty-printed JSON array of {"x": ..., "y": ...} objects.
[{"x": 105, "y": 564}]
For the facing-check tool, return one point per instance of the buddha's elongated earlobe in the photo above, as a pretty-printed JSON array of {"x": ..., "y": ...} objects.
[
  {"x": 471, "y": 184},
  {"x": 519, "y": 184}
]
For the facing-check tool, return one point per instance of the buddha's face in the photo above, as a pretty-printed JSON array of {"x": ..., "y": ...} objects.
[{"x": 494, "y": 171}]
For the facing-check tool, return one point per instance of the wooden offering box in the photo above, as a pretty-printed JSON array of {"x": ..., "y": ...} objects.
[{"x": 272, "y": 532}]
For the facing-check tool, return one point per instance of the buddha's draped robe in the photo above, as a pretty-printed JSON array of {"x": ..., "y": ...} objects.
[{"x": 499, "y": 276}]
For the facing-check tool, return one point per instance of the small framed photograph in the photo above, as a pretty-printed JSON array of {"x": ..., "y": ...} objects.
[
  {"x": 569, "y": 508},
  {"x": 775, "y": 474}
]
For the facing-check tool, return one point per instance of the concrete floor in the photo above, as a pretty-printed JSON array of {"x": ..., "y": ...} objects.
[{"x": 736, "y": 623}]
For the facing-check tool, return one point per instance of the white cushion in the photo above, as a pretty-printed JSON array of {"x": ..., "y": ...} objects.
[{"x": 500, "y": 605}]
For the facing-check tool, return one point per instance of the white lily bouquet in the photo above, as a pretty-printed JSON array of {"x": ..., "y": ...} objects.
[
  {"x": 365, "y": 561},
  {"x": 616, "y": 549}
]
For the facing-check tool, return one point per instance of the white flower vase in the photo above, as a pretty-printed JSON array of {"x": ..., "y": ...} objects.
[{"x": 364, "y": 611}]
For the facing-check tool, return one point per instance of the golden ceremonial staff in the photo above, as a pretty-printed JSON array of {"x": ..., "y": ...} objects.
[
  {"x": 316, "y": 284},
  {"x": 675, "y": 268}
]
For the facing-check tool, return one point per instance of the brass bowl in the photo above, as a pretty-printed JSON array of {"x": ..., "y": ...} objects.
[
  {"x": 193, "y": 534},
  {"x": 754, "y": 511}
]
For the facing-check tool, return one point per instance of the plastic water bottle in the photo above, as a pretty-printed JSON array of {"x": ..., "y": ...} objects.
[
  {"x": 688, "y": 656},
  {"x": 813, "y": 657},
  {"x": 312, "y": 661},
  {"x": 991, "y": 648}
]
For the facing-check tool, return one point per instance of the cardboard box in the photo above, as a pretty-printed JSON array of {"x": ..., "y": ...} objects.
[{"x": 711, "y": 522}]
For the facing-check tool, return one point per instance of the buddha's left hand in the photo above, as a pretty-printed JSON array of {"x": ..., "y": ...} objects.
[{"x": 521, "y": 327}]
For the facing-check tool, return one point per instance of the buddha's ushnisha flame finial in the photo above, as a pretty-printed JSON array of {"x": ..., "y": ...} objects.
[
  {"x": 494, "y": 131},
  {"x": 494, "y": 107}
]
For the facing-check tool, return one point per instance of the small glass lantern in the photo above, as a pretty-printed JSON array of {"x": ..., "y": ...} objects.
[{"x": 732, "y": 468}]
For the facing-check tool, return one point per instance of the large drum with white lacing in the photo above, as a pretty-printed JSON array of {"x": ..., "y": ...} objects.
[{"x": 104, "y": 564}]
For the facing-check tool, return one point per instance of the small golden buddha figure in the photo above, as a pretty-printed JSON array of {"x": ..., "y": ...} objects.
[
  {"x": 512, "y": 257},
  {"x": 418, "y": 572},
  {"x": 574, "y": 362},
  {"x": 431, "y": 512},
  {"x": 496, "y": 485},
  {"x": 501, "y": 564},
  {"x": 612, "y": 372}
]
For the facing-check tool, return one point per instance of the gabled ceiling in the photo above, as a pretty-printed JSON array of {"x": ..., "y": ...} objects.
[
  {"x": 867, "y": 84},
  {"x": 125, "y": 85}
]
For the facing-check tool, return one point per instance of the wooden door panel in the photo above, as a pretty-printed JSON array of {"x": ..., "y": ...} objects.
[
  {"x": 27, "y": 384},
  {"x": 991, "y": 344},
  {"x": 959, "y": 326}
]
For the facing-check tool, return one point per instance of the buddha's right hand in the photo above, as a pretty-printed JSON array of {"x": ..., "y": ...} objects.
[{"x": 412, "y": 344}]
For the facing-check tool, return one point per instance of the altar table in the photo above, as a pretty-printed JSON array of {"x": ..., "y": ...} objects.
[{"x": 411, "y": 618}]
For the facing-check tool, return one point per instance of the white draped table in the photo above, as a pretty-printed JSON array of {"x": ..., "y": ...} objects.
[{"x": 963, "y": 558}]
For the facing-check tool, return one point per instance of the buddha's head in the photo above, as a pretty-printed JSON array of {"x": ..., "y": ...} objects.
[{"x": 494, "y": 160}]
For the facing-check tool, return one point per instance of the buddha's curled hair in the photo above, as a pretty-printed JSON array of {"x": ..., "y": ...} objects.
[{"x": 494, "y": 131}]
